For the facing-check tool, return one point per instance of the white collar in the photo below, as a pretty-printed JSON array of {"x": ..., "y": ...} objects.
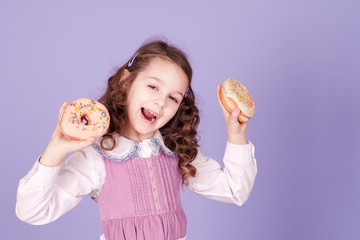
[{"x": 125, "y": 148}]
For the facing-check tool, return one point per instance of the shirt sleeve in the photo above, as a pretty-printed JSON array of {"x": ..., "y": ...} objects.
[
  {"x": 234, "y": 183},
  {"x": 46, "y": 193}
]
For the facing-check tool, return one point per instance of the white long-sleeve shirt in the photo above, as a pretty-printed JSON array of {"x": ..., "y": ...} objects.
[{"x": 46, "y": 193}]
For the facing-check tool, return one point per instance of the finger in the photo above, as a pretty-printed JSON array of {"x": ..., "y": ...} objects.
[
  {"x": 225, "y": 112},
  {"x": 243, "y": 126},
  {"x": 87, "y": 142},
  {"x": 234, "y": 116},
  {"x": 61, "y": 111}
]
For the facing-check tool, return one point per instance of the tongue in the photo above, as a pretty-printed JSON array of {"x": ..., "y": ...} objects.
[{"x": 148, "y": 114}]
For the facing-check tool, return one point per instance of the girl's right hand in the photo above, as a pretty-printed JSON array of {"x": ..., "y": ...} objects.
[
  {"x": 61, "y": 145},
  {"x": 235, "y": 129}
]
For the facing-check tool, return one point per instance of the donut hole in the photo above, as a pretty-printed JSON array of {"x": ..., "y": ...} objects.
[{"x": 85, "y": 120}]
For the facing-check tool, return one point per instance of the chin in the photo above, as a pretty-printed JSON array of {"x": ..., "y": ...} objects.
[{"x": 142, "y": 135}]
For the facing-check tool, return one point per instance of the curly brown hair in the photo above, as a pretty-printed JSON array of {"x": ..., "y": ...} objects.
[{"x": 180, "y": 132}]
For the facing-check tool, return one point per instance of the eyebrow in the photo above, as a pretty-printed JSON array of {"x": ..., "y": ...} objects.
[{"x": 161, "y": 81}]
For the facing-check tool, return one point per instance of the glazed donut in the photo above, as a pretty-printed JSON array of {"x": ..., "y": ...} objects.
[
  {"x": 84, "y": 118},
  {"x": 234, "y": 94}
]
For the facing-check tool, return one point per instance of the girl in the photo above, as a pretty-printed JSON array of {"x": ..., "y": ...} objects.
[{"x": 134, "y": 172}]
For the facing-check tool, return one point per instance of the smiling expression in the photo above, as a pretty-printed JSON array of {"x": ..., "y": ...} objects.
[{"x": 154, "y": 98}]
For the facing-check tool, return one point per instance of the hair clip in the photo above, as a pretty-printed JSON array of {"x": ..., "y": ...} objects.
[{"x": 132, "y": 60}]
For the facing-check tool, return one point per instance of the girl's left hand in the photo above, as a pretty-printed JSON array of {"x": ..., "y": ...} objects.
[{"x": 235, "y": 129}]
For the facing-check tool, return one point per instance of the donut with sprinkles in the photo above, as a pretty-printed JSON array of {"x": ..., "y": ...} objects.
[
  {"x": 234, "y": 94},
  {"x": 84, "y": 118}
]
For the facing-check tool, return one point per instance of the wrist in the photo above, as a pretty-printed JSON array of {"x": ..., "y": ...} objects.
[
  {"x": 52, "y": 157},
  {"x": 239, "y": 139}
]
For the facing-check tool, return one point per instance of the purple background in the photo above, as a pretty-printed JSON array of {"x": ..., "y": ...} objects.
[{"x": 299, "y": 59}]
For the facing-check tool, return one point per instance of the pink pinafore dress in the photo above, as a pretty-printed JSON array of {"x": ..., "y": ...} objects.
[{"x": 140, "y": 199}]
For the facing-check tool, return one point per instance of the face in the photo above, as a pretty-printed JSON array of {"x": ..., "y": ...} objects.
[{"x": 154, "y": 98}]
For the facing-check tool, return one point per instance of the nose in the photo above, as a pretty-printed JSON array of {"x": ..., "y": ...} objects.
[{"x": 160, "y": 101}]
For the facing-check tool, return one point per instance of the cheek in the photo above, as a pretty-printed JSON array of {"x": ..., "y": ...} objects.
[
  {"x": 131, "y": 106},
  {"x": 135, "y": 97},
  {"x": 172, "y": 111},
  {"x": 144, "y": 93}
]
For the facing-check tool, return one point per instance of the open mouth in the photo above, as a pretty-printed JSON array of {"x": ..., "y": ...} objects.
[{"x": 149, "y": 115}]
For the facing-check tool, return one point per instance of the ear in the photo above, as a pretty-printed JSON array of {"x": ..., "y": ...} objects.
[{"x": 124, "y": 74}]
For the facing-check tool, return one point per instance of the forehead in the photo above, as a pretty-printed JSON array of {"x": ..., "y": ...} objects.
[{"x": 166, "y": 71}]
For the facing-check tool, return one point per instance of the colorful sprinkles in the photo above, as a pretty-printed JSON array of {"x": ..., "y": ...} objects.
[
  {"x": 81, "y": 112},
  {"x": 243, "y": 94}
]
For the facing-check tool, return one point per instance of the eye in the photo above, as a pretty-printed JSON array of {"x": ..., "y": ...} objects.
[
  {"x": 153, "y": 87},
  {"x": 174, "y": 99}
]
